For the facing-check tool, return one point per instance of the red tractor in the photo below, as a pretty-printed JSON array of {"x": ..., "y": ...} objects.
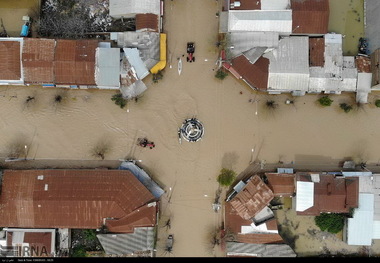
[{"x": 190, "y": 52}]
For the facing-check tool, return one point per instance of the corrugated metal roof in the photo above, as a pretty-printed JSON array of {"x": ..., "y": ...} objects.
[
  {"x": 310, "y": 16},
  {"x": 239, "y": 42},
  {"x": 255, "y": 74},
  {"x": 260, "y": 20},
  {"x": 147, "y": 22},
  {"x": 10, "y": 66},
  {"x": 107, "y": 69},
  {"x": 376, "y": 192},
  {"x": 360, "y": 227},
  {"x": 304, "y": 196},
  {"x": 128, "y": 8},
  {"x": 75, "y": 62},
  {"x": 260, "y": 250},
  {"x": 375, "y": 61},
  {"x": 148, "y": 43},
  {"x": 142, "y": 239},
  {"x": 281, "y": 184},
  {"x": 223, "y": 22},
  {"x": 289, "y": 65},
  {"x": 73, "y": 199},
  {"x": 317, "y": 52},
  {"x": 134, "y": 59},
  {"x": 37, "y": 60},
  {"x": 254, "y": 54},
  {"x": 254, "y": 197}
]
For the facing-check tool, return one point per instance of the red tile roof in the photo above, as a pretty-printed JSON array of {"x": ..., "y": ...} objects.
[
  {"x": 316, "y": 52},
  {"x": 281, "y": 184},
  {"x": 310, "y": 16},
  {"x": 37, "y": 60},
  {"x": 149, "y": 21},
  {"x": 253, "y": 198},
  {"x": 75, "y": 62},
  {"x": 72, "y": 199},
  {"x": 332, "y": 194},
  {"x": 10, "y": 68},
  {"x": 255, "y": 74},
  {"x": 39, "y": 242}
]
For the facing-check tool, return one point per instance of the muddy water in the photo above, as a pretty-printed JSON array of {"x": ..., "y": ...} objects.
[{"x": 347, "y": 18}]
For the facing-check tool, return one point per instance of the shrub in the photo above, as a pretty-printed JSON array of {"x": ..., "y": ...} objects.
[
  {"x": 119, "y": 100},
  {"x": 332, "y": 223},
  {"x": 89, "y": 234},
  {"x": 226, "y": 177},
  {"x": 79, "y": 252},
  {"x": 325, "y": 101},
  {"x": 271, "y": 104},
  {"x": 220, "y": 74},
  {"x": 377, "y": 103},
  {"x": 345, "y": 107}
]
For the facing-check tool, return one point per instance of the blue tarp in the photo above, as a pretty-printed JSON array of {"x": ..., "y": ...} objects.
[
  {"x": 24, "y": 30},
  {"x": 143, "y": 177}
]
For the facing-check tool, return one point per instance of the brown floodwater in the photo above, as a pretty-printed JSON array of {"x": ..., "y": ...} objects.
[{"x": 347, "y": 18}]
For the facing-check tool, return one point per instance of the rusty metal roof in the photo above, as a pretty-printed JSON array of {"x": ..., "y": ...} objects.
[
  {"x": 75, "y": 62},
  {"x": 246, "y": 5},
  {"x": 234, "y": 222},
  {"x": 10, "y": 60},
  {"x": 72, "y": 198},
  {"x": 316, "y": 52},
  {"x": 375, "y": 61},
  {"x": 147, "y": 21},
  {"x": 332, "y": 194},
  {"x": 281, "y": 184},
  {"x": 253, "y": 198},
  {"x": 37, "y": 60},
  {"x": 255, "y": 74},
  {"x": 310, "y": 16},
  {"x": 363, "y": 64}
]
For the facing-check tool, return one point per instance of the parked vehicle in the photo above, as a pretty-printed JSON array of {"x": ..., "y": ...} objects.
[{"x": 190, "y": 52}]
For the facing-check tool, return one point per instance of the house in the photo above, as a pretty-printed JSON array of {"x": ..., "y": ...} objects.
[
  {"x": 281, "y": 184},
  {"x": 325, "y": 193},
  {"x": 10, "y": 64},
  {"x": 364, "y": 226},
  {"x": 235, "y": 249},
  {"x": 139, "y": 243},
  {"x": 250, "y": 226},
  {"x": 310, "y": 17}
]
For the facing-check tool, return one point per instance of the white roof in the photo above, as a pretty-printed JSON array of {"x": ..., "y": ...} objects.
[
  {"x": 363, "y": 87},
  {"x": 376, "y": 230},
  {"x": 338, "y": 73},
  {"x": 275, "y": 4},
  {"x": 376, "y": 192},
  {"x": 304, "y": 196},
  {"x": 289, "y": 65},
  {"x": 133, "y": 56},
  {"x": 129, "y": 8},
  {"x": 360, "y": 227},
  {"x": 260, "y": 20},
  {"x": 243, "y": 41},
  {"x": 253, "y": 229},
  {"x": 107, "y": 67}
]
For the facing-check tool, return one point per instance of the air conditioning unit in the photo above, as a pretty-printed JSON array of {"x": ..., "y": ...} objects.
[{"x": 235, "y": 4}]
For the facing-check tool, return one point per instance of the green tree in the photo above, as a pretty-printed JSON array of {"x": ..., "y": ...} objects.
[
  {"x": 90, "y": 234},
  {"x": 325, "y": 101},
  {"x": 332, "y": 223},
  {"x": 79, "y": 252},
  {"x": 220, "y": 74},
  {"x": 119, "y": 100},
  {"x": 226, "y": 177},
  {"x": 345, "y": 107},
  {"x": 377, "y": 103}
]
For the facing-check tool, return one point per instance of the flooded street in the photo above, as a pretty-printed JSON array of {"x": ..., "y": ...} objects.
[
  {"x": 300, "y": 133},
  {"x": 347, "y": 18}
]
